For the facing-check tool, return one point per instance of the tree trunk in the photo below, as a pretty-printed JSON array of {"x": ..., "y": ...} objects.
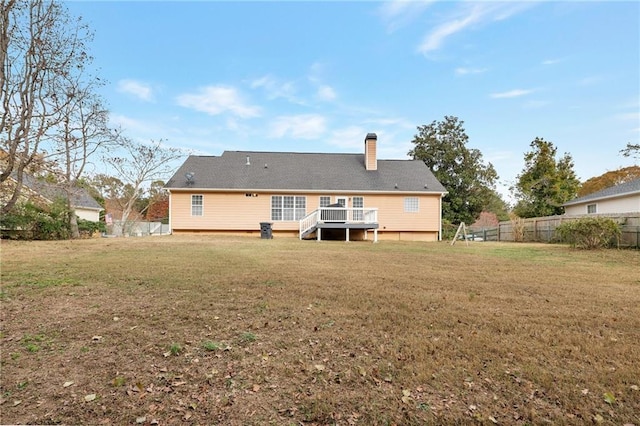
[{"x": 73, "y": 224}]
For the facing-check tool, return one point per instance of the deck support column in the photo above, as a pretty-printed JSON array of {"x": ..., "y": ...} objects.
[
  {"x": 318, "y": 231},
  {"x": 347, "y": 234},
  {"x": 375, "y": 235}
]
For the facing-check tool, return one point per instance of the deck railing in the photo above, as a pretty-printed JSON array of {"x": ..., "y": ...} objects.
[{"x": 337, "y": 215}]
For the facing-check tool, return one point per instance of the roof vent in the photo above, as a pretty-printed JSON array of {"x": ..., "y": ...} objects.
[
  {"x": 248, "y": 160},
  {"x": 190, "y": 176},
  {"x": 265, "y": 166}
]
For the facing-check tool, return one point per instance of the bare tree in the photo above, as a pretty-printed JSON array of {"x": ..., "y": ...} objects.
[
  {"x": 139, "y": 165},
  {"x": 41, "y": 48},
  {"x": 83, "y": 132}
]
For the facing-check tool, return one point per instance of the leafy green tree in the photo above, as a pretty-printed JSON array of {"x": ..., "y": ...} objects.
[
  {"x": 469, "y": 181},
  {"x": 495, "y": 204},
  {"x": 545, "y": 183}
]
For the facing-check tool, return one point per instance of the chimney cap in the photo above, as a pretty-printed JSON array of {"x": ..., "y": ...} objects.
[{"x": 371, "y": 136}]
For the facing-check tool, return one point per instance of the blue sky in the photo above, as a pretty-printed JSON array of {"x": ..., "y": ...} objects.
[{"x": 317, "y": 76}]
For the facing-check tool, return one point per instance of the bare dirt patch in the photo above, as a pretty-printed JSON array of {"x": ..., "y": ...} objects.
[{"x": 207, "y": 330}]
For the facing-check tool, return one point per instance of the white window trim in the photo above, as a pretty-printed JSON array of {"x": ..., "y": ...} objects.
[
  {"x": 294, "y": 208},
  {"x": 411, "y": 204},
  {"x": 195, "y": 205},
  {"x": 595, "y": 208}
]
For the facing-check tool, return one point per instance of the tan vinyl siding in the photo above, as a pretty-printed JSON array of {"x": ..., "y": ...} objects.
[
  {"x": 234, "y": 211},
  {"x": 222, "y": 211},
  {"x": 392, "y": 217}
]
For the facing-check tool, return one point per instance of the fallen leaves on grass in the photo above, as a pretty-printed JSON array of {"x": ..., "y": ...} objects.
[{"x": 609, "y": 398}]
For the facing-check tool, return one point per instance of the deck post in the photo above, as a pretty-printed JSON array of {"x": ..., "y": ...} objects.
[
  {"x": 347, "y": 234},
  {"x": 375, "y": 235},
  {"x": 318, "y": 231}
]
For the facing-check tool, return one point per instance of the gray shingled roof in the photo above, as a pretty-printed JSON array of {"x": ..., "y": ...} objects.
[
  {"x": 627, "y": 188},
  {"x": 80, "y": 198},
  {"x": 302, "y": 171}
]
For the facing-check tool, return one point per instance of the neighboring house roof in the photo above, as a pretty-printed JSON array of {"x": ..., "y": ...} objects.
[
  {"x": 250, "y": 170},
  {"x": 80, "y": 198},
  {"x": 622, "y": 190}
]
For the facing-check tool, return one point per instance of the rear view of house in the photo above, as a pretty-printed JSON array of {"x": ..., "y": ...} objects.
[{"x": 307, "y": 195}]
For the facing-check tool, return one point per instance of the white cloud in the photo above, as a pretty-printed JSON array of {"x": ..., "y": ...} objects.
[
  {"x": 326, "y": 93},
  {"x": 398, "y": 13},
  {"x": 465, "y": 71},
  {"x": 215, "y": 100},
  {"x": 495, "y": 157},
  {"x": 276, "y": 89},
  {"x": 138, "y": 89},
  {"x": 351, "y": 138},
  {"x": 551, "y": 61},
  {"x": 436, "y": 38},
  {"x": 635, "y": 116},
  {"x": 316, "y": 70},
  {"x": 303, "y": 126},
  {"x": 128, "y": 123},
  {"x": 511, "y": 93},
  {"x": 589, "y": 81},
  {"x": 466, "y": 15}
]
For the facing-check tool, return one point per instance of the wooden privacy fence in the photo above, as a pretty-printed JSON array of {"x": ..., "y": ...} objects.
[{"x": 543, "y": 229}]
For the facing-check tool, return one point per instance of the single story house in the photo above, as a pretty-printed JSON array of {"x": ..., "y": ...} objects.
[
  {"x": 42, "y": 192},
  {"x": 622, "y": 198},
  {"x": 307, "y": 195}
]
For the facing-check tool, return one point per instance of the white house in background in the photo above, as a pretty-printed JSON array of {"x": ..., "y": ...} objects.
[
  {"x": 41, "y": 192},
  {"x": 623, "y": 198}
]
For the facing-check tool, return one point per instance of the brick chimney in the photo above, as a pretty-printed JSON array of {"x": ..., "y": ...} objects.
[{"x": 370, "y": 155}]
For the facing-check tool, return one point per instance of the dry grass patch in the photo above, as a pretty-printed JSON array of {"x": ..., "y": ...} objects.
[{"x": 248, "y": 331}]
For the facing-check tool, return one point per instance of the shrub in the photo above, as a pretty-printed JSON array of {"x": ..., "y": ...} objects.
[
  {"x": 32, "y": 222},
  {"x": 590, "y": 233},
  {"x": 87, "y": 228},
  {"x": 448, "y": 230}
]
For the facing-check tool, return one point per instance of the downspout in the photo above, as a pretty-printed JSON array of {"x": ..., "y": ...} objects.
[
  {"x": 440, "y": 218},
  {"x": 170, "y": 222}
]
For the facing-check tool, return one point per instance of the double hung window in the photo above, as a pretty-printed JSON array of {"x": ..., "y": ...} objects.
[
  {"x": 358, "y": 203},
  {"x": 325, "y": 200},
  {"x": 197, "y": 205},
  {"x": 288, "y": 207}
]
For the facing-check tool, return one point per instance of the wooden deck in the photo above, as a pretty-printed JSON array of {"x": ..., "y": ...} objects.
[{"x": 339, "y": 218}]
